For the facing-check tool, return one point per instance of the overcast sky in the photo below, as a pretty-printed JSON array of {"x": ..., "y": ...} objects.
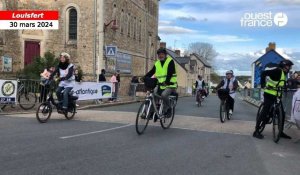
[{"x": 219, "y": 22}]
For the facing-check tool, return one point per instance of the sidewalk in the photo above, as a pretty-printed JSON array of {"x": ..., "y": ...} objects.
[{"x": 15, "y": 109}]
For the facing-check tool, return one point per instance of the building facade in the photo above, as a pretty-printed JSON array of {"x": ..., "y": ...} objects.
[{"x": 85, "y": 28}]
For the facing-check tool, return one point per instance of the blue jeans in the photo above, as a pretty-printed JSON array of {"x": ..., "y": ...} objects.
[{"x": 63, "y": 96}]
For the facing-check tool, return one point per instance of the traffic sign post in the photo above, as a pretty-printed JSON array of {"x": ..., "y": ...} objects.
[{"x": 111, "y": 51}]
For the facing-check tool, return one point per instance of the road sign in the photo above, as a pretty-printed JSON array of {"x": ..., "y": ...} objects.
[{"x": 111, "y": 51}]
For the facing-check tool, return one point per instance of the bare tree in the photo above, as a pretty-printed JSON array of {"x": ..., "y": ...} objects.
[{"x": 205, "y": 50}]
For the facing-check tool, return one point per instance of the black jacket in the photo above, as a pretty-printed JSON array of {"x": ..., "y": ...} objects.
[{"x": 102, "y": 78}]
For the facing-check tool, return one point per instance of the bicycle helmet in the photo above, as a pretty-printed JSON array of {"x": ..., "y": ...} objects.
[
  {"x": 285, "y": 63},
  {"x": 161, "y": 50},
  {"x": 229, "y": 72}
]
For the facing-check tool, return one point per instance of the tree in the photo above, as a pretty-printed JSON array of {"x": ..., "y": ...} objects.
[
  {"x": 205, "y": 50},
  {"x": 34, "y": 69}
]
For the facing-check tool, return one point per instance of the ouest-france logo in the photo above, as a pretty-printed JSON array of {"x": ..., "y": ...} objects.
[{"x": 264, "y": 19}]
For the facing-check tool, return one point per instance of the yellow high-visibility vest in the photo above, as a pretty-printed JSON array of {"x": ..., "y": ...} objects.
[
  {"x": 162, "y": 71},
  {"x": 272, "y": 85}
]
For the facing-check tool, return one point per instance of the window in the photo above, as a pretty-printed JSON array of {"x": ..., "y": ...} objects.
[
  {"x": 134, "y": 28},
  {"x": 128, "y": 25},
  {"x": 122, "y": 22},
  {"x": 140, "y": 31},
  {"x": 72, "y": 24}
]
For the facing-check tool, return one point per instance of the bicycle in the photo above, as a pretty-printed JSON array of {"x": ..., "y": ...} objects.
[
  {"x": 25, "y": 98},
  {"x": 149, "y": 109},
  {"x": 224, "y": 107},
  {"x": 199, "y": 97},
  {"x": 44, "y": 111},
  {"x": 274, "y": 117}
]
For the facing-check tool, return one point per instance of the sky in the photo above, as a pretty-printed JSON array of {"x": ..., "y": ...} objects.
[{"x": 226, "y": 24}]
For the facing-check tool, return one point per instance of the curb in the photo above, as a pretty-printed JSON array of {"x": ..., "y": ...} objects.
[
  {"x": 85, "y": 107},
  {"x": 80, "y": 108},
  {"x": 252, "y": 101}
]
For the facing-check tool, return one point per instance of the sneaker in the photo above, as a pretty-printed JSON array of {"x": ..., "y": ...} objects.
[
  {"x": 77, "y": 105},
  {"x": 155, "y": 118},
  {"x": 258, "y": 135},
  {"x": 230, "y": 111},
  {"x": 196, "y": 103},
  {"x": 168, "y": 113},
  {"x": 283, "y": 135}
]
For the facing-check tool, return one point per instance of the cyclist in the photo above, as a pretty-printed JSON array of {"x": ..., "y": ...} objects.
[
  {"x": 270, "y": 79},
  {"x": 165, "y": 72},
  {"x": 200, "y": 85},
  {"x": 65, "y": 72},
  {"x": 231, "y": 84}
]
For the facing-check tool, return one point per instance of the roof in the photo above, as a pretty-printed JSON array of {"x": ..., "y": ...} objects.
[
  {"x": 203, "y": 60},
  {"x": 183, "y": 60},
  {"x": 177, "y": 59},
  {"x": 269, "y": 53}
]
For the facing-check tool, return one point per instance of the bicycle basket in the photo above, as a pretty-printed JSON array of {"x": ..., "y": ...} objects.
[
  {"x": 223, "y": 94},
  {"x": 150, "y": 83}
]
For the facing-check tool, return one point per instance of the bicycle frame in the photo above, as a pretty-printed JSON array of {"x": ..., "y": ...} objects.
[{"x": 151, "y": 98}]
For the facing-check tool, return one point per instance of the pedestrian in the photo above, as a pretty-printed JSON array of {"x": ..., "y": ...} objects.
[
  {"x": 134, "y": 79},
  {"x": 102, "y": 79},
  {"x": 44, "y": 86},
  {"x": 292, "y": 81},
  {"x": 102, "y": 76},
  {"x": 133, "y": 85},
  {"x": 118, "y": 84},
  {"x": 78, "y": 76},
  {"x": 114, "y": 82}
]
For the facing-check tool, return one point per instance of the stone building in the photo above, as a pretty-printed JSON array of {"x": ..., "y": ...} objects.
[{"x": 85, "y": 28}]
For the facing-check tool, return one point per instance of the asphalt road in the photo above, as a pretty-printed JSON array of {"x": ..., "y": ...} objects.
[
  {"x": 80, "y": 147},
  {"x": 210, "y": 108}
]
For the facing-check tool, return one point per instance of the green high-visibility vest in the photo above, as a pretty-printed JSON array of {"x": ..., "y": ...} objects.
[
  {"x": 272, "y": 85},
  {"x": 162, "y": 71}
]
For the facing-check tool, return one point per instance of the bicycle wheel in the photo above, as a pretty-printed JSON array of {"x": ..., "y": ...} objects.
[
  {"x": 142, "y": 118},
  {"x": 166, "y": 121},
  {"x": 27, "y": 100},
  {"x": 223, "y": 111},
  {"x": 262, "y": 123},
  {"x": 198, "y": 95},
  {"x": 2, "y": 106},
  {"x": 71, "y": 111},
  {"x": 44, "y": 112},
  {"x": 227, "y": 112},
  {"x": 277, "y": 124}
]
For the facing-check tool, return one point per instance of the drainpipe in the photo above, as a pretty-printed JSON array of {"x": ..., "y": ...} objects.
[
  {"x": 100, "y": 64},
  {"x": 95, "y": 40}
]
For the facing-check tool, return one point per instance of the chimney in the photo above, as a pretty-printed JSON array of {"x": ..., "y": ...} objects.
[
  {"x": 272, "y": 46},
  {"x": 163, "y": 44},
  {"x": 177, "y": 52}
]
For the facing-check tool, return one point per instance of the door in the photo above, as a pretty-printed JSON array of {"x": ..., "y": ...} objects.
[{"x": 32, "y": 50}]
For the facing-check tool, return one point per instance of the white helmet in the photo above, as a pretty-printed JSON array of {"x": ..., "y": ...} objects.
[
  {"x": 229, "y": 72},
  {"x": 66, "y": 55}
]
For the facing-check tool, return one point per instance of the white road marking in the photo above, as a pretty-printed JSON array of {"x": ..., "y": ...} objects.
[{"x": 94, "y": 132}]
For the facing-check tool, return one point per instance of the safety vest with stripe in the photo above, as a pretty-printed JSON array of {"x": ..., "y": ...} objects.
[
  {"x": 162, "y": 71},
  {"x": 272, "y": 85}
]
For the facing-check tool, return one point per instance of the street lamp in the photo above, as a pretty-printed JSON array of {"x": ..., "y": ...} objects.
[{"x": 114, "y": 25}]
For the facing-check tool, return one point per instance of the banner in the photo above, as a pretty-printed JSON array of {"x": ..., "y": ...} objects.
[
  {"x": 8, "y": 91},
  {"x": 92, "y": 90}
]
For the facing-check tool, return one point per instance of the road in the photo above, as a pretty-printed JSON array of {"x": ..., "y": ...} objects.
[{"x": 103, "y": 141}]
